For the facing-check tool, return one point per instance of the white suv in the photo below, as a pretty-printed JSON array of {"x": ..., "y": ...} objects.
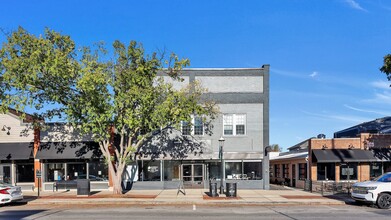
[{"x": 377, "y": 191}]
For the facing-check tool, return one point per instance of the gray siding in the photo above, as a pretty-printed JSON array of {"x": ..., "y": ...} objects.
[
  {"x": 251, "y": 142},
  {"x": 19, "y": 132},
  {"x": 236, "y": 91}
]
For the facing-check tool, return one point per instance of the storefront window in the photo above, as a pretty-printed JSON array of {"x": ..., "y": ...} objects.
[
  {"x": 252, "y": 170},
  {"x": 277, "y": 170},
  {"x": 326, "y": 171},
  {"x": 387, "y": 167},
  {"x": 302, "y": 171},
  {"x": 348, "y": 171},
  {"x": 25, "y": 173},
  {"x": 76, "y": 170},
  {"x": 150, "y": 171},
  {"x": 285, "y": 170},
  {"x": 54, "y": 172},
  {"x": 376, "y": 170},
  {"x": 233, "y": 170},
  {"x": 5, "y": 173},
  {"x": 98, "y": 170},
  {"x": 171, "y": 170},
  {"x": 214, "y": 170}
]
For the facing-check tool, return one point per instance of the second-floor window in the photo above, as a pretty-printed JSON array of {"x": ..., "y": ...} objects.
[
  {"x": 196, "y": 127},
  {"x": 234, "y": 124}
]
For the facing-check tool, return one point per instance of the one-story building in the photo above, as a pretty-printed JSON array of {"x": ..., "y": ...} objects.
[{"x": 357, "y": 157}]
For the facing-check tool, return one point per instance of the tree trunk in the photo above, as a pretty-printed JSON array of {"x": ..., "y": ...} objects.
[{"x": 116, "y": 177}]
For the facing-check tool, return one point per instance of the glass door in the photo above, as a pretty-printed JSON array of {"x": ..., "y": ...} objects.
[
  {"x": 187, "y": 172},
  {"x": 193, "y": 175},
  {"x": 5, "y": 174}
]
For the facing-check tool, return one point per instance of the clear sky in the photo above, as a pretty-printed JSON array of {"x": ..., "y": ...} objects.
[{"x": 325, "y": 55}]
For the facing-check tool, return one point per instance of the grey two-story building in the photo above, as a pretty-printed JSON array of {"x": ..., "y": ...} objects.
[{"x": 242, "y": 96}]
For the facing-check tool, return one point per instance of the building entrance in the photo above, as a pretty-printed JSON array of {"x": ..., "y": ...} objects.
[
  {"x": 5, "y": 174},
  {"x": 193, "y": 175}
]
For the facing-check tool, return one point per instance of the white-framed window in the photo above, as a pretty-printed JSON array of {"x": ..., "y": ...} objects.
[
  {"x": 234, "y": 124},
  {"x": 196, "y": 127}
]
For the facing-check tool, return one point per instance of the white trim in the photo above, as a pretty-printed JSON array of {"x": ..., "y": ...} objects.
[
  {"x": 235, "y": 123},
  {"x": 192, "y": 126}
]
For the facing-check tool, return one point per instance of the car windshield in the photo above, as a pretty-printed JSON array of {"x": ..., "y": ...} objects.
[{"x": 384, "y": 178}]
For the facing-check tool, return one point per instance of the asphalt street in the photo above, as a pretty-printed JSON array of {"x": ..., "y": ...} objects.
[{"x": 193, "y": 212}]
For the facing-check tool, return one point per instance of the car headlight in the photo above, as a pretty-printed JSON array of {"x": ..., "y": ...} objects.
[{"x": 371, "y": 188}]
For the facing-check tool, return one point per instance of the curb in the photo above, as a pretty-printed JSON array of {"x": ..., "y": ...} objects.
[{"x": 185, "y": 202}]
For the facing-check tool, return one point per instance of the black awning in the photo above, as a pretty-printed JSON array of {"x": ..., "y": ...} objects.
[
  {"x": 16, "y": 151},
  {"x": 342, "y": 155},
  {"x": 68, "y": 150}
]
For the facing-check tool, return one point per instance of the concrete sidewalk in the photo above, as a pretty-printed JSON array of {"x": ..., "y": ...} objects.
[{"x": 191, "y": 196}]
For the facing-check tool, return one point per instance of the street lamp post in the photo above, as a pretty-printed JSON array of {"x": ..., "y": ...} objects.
[{"x": 221, "y": 155}]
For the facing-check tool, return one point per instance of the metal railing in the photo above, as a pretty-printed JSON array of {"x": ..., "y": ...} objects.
[{"x": 329, "y": 187}]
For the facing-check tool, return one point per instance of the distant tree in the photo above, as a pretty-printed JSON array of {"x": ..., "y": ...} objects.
[
  {"x": 124, "y": 98},
  {"x": 386, "y": 68},
  {"x": 275, "y": 148}
]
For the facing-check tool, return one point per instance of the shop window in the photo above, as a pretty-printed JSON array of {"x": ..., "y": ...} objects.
[
  {"x": 285, "y": 170},
  {"x": 54, "y": 172},
  {"x": 326, "y": 171},
  {"x": 76, "y": 171},
  {"x": 387, "y": 167},
  {"x": 150, "y": 170},
  {"x": 376, "y": 170},
  {"x": 277, "y": 170},
  {"x": 25, "y": 173},
  {"x": 252, "y": 170},
  {"x": 98, "y": 170},
  {"x": 233, "y": 170},
  {"x": 171, "y": 170},
  {"x": 5, "y": 173},
  {"x": 214, "y": 170},
  {"x": 302, "y": 171},
  {"x": 348, "y": 171}
]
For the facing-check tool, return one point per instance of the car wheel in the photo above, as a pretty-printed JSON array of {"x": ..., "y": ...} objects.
[{"x": 384, "y": 201}]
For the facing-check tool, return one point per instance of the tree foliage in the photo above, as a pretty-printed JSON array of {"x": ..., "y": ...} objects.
[
  {"x": 386, "y": 68},
  {"x": 123, "y": 97},
  {"x": 37, "y": 71}
]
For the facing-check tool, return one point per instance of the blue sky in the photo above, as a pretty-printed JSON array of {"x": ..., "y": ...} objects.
[{"x": 325, "y": 55}]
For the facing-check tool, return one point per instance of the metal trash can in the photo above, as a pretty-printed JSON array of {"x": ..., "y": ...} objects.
[
  {"x": 83, "y": 187},
  {"x": 231, "y": 189},
  {"x": 213, "y": 189}
]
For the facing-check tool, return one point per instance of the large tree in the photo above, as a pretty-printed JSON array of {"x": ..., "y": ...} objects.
[
  {"x": 121, "y": 101},
  {"x": 386, "y": 68}
]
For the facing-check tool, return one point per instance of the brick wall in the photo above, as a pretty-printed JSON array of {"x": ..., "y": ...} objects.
[{"x": 364, "y": 142}]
